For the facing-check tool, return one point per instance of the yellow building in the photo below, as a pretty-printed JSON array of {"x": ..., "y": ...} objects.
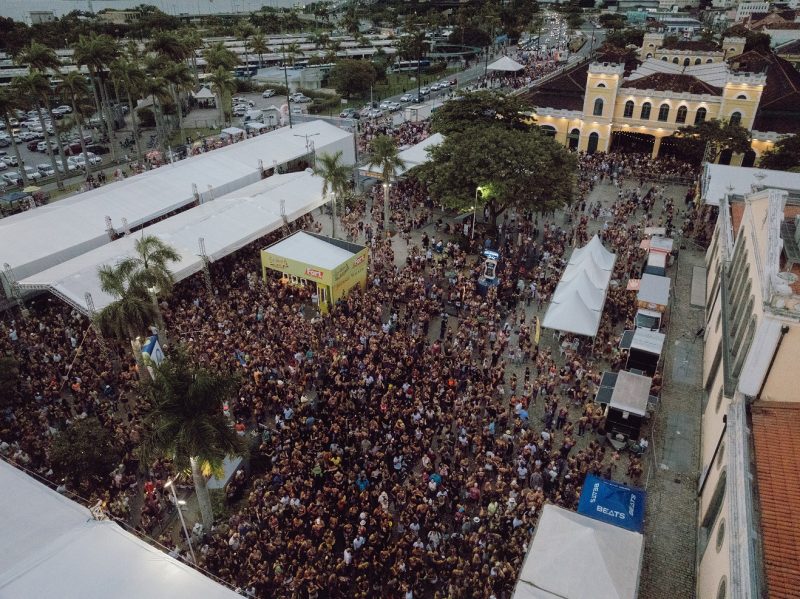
[
  {"x": 331, "y": 266},
  {"x": 631, "y": 105},
  {"x": 748, "y": 492}
]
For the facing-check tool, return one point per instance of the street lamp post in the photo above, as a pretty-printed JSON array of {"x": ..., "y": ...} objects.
[
  {"x": 474, "y": 209},
  {"x": 178, "y": 504}
]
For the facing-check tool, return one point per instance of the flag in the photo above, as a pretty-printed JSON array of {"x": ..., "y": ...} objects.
[{"x": 538, "y": 334}]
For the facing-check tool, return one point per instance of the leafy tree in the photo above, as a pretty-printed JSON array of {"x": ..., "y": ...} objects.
[
  {"x": 259, "y": 45},
  {"x": 128, "y": 75},
  {"x": 613, "y": 20},
  {"x": 469, "y": 36},
  {"x": 187, "y": 424},
  {"x": 244, "y": 32},
  {"x": 620, "y": 38},
  {"x": 754, "y": 40},
  {"x": 35, "y": 88},
  {"x": 85, "y": 451},
  {"x": 482, "y": 108},
  {"x": 335, "y": 178},
  {"x": 784, "y": 156},
  {"x": 384, "y": 155},
  {"x": 351, "y": 77},
  {"x": 76, "y": 89},
  {"x": 718, "y": 136},
  {"x": 413, "y": 46},
  {"x": 219, "y": 57},
  {"x": 223, "y": 85},
  {"x": 524, "y": 169},
  {"x": 9, "y": 102}
]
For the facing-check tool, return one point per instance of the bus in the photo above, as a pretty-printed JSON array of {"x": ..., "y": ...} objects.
[{"x": 410, "y": 65}]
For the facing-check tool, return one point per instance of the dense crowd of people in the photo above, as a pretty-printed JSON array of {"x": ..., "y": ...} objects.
[
  {"x": 407, "y": 133},
  {"x": 411, "y": 436}
]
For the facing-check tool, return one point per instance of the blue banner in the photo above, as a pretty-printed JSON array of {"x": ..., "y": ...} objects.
[{"x": 612, "y": 502}]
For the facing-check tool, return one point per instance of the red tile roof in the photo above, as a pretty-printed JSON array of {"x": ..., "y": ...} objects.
[
  {"x": 696, "y": 45},
  {"x": 776, "y": 439},
  {"x": 779, "y": 108},
  {"x": 563, "y": 92},
  {"x": 675, "y": 83}
]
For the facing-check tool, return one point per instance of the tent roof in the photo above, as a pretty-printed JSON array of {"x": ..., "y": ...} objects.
[
  {"x": 226, "y": 224},
  {"x": 35, "y": 240},
  {"x": 591, "y": 295},
  {"x": 312, "y": 250},
  {"x": 573, "y": 316},
  {"x": 631, "y": 392},
  {"x": 649, "y": 341},
  {"x": 505, "y": 64},
  {"x": 52, "y": 547},
  {"x": 232, "y": 131},
  {"x": 204, "y": 93},
  {"x": 654, "y": 289},
  {"x": 580, "y": 558},
  {"x": 594, "y": 250}
]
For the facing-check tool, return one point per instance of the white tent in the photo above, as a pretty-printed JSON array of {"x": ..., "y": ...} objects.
[
  {"x": 232, "y": 131},
  {"x": 35, "y": 240},
  {"x": 654, "y": 290},
  {"x": 505, "y": 64},
  {"x": 204, "y": 93},
  {"x": 581, "y": 285},
  {"x": 226, "y": 224},
  {"x": 576, "y": 557},
  {"x": 53, "y": 547},
  {"x": 572, "y": 315},
  {"x": 595, "y": 251}
]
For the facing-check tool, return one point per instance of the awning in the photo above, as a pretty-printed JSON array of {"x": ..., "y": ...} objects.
[
  {"x": 631, "y": 393},
  {"x": 505, "y": 64},
  {"x": 612, "y": 502},
  {"x": 653, "y": 291},
  {"x": 232, "y": 131}
]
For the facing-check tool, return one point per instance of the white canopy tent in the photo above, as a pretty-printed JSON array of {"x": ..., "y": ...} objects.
[
  {"x": 232, "y": 132},
  {"x": 226, "y": 224},
  {"x": 573, "y": 556},
  {"x": 53, "y": 547},
  {"x": 654, "y": 290},
  {"x": 505, "y": 64},
  {"x": 204, "y": 93},
  {"x": 413, "y": 156},
  {"x": 35, "y": 240},
  {"x": 577, "y": 302}
]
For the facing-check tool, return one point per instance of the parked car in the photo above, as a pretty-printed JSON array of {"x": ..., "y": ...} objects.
[
  {"x": 394, "y": 106},
  {"x": 64, "y": 108},
  {"x": 384, "y": 105},
  {"x": 5, "y": 141},
  {"x": 3, "y": 165},
  {"x": 424, "y": 91},
  {"x": 406, "y": 98},
  {"x": 375, "y": 113},
  {"x": 45, "y": 169},
  {"x": 28, "y": 136},
  {"x": 31, "y": 145},
  {"x": 297, "y": 111},
  {"x": 73, "y": 148},
  {"x": 300, "y": 98},
  {"x": 32, "y": 173},
  {"x": 70, "y": 167},
  {"x": 349, "y": 113},
  {"x": 12, "y": 178},
  {"x": 11, "y": 160},
  {"x": 268, "y": 93}
]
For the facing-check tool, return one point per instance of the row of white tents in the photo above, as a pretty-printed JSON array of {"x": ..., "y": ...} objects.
[{"x": 579, "y": 297}]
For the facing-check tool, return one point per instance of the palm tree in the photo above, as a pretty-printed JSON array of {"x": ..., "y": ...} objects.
[
  {"x": 384, "y": 155},
  {"x": 75, "y": 87},
  {"x": 157, "y": 88},
  {"x": 169, "y": 45},
  {"x": 33, "y": 87},
  {"x": 193, "y": 41},
  {"x": 259, "y": 46},
  {"x": 223, "y": 85},
  {"x": 187, "y": 424},
  {"x": 292, "y": 50},
  {"x": 131, "y": 78},
  {"x": 244, "y": 33},
  {"x": 180, "y": 79},
  {"x": 335, "y": 177},
  {"x": 218, "y": 56},
  {"x": 130, "y": 313},
  {"x": 96, "y": 52},
  {"x": 9, "y": 102}
]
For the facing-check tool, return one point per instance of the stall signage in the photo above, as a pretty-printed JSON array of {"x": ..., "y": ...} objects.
[{"x": 313, "y": 272}]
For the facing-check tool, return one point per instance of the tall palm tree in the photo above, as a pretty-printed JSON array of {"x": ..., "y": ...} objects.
[
  {"x": 170, "y": 45},
  {"x": 131, "y": 312},
  {"x": 187, "y": 424},
  {"x": 384, "y": 155},
  {"x": 223, "y": 85},
  {"x": 292, "y": 50},
  {"x": 218, "y": 56},
  {"x": 259, "y": 46},
  {"x": 33, "y": 87},
  {"x": 96, "y": 52},
  {"x": 244, "y": 33},
  {"x": 157, "y": 88},
  {"x": 130, "y": 77},
  {"x": 335, "y": 177},
  {"x": 42, "y": 59},
  {"x": 180, "y": 80},
  {"x": 9, "y": 102},
  {"x": 193, "y": 41},
  {"x": 75, "y": 87}
]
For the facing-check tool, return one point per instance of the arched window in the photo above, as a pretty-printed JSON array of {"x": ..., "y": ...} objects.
[
  {"x": 686, "y": 62},
  {"x": 628, "y": 109},
  {"x": 663, "y": 112},
  {"x": 664, "y": 58},
  {"x": 680, "y": 116},
  {"x": 598, "y": 107},
  {"x": 651, "y": 45},
  {"x": 700, "y": 116},
  {"x": 675, "y": 60},
  {"x": 573, "y": 139},
  {"x": 741, "y": 97},
  {"x": 548, "y": 130},
  {"x": 697, "y": 61},
  {"x": 736, "y": 118},
  {"x": 709, "y": 61},
  {"x": 594, "y": 138},
  {"x": 649, "y": 55},
  {"x": 601, "y": 84},
  {"x": 645, "y": 114}
]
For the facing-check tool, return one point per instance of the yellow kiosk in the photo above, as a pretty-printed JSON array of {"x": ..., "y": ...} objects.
[{"x": 333, "y": 266}]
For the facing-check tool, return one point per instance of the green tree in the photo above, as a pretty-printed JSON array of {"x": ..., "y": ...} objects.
[
  {"x": 75, "y": 88},
  {"x": 384, "y": 155},
  {"x": 260, "y": 47},
  {"x": 292, "y": 50},
  {"x": 129, "y": 76},
  {"x": 180, "y": 80},
  {"x": 193, "y": 40},
  {"x": 718, "y": 136},
  {"x": 170, "y": 45},
  {"x": 158, "y": 89},
  {"x": 85, "y": 453},
  {"x": 783, "y": 156},
  {"x": 613, "y": 20},
  {"x": 335, "y": 178},
  {"x": 223, "y": 85},
  {"x": 622, "y": 38},
  {"x": 9, "y": 102},
  {"x": 244, "y": 32},
  {"x": 482, "y": 108},
  {"x": 524, "y": 169},
  {"x": 187, "y": 424},
  {"x": 35, "y": 88},
  {"x": 352, "y": 77},
  {"x": 218, "y": 56}
]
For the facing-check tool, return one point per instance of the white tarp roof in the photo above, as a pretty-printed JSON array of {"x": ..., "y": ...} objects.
[
  {"x": 226, "y": 224},
  {"x": 631, "y": 392},
  {"x": 306, "y": 248},
  {"x": 719, "y": 180},
  {"x": 35, "y": 240},
  {"x": 232, "y": 131},
  {"x": 576, "y": 557},
  {"x": 505, "y": 64},
  {"x": 649, "y": 341},
  {"x": 52, "y": 547},
  {"x": 578, "y": 299},
  {"x": 654, "y": 289},
  {"x": 203, "y": 93}
]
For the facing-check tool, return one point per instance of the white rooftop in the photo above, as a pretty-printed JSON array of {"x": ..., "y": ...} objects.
[
  {"x": 52, "y": 547},
  {"x": 38, "y": 239},
  {"x": 719, "y": 180},
  {"x": 303, "y": 247},
  {"x": 715, "y": 73},
  {"x": 225, "y": 224}
]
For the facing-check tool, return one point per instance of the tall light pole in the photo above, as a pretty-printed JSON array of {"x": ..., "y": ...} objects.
[
  {"x": 170, "y": 484},
  {"x": 478, "y": 193}
]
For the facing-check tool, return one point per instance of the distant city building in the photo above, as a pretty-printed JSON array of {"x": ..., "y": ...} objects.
[
  {"x": 41, "y": 16},
  {"x": 746, "y": 9},
  {"x": 119, "y": 17},
  {"x": 782, "y": 27}
]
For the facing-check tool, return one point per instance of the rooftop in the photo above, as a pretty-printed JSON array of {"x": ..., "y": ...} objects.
[
  {"x": 314, "y": 250},
  {"x": 779, "y": 108},
  {"x": 674, "y": 82},
  {"x": 776, "y": 440}
]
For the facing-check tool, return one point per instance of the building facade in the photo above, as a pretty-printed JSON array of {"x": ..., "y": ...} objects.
[{"x": 752, "y": 343}]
